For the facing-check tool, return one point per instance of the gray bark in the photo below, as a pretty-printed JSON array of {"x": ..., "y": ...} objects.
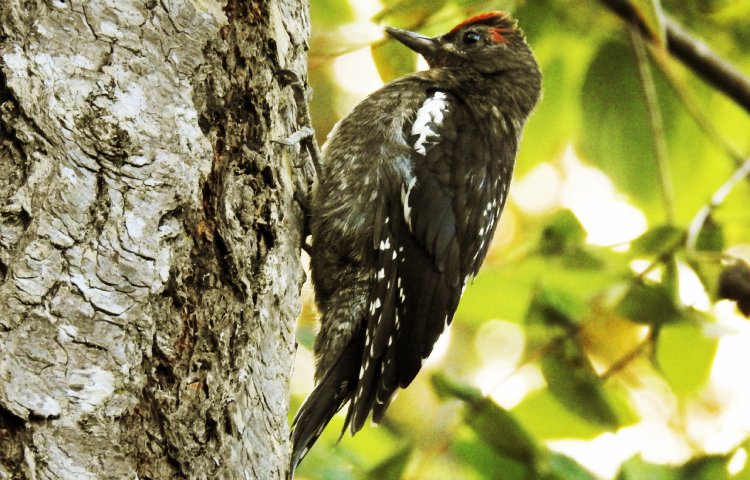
[{"x": 149, "y": 237}]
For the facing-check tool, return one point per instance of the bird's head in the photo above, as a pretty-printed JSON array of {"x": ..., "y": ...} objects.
[{"x": 489, "y": 43}]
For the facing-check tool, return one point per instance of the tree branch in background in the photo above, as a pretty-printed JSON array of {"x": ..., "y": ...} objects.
[{"x": 691, "y": 51}]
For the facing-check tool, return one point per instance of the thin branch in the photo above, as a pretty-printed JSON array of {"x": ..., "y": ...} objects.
[
  {"x": 693, "y": 52},
  {"x": 716, "y": 200},
  {"x": 655, "y": 122},
  {"x": 629, "y": 357},
  {"x": 693, "y": 107}
]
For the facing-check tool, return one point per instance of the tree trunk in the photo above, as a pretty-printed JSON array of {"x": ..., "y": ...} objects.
[{"x": 149, "y": 237}]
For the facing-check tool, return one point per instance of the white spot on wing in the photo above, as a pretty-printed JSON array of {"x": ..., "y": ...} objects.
[
  {"x": 405, "y": 192},
  {"x": 374, "y": 306},
  {"x": 431, "y": 112}
]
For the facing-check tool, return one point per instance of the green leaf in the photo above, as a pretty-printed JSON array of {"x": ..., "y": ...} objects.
[
  {"x": 512, "y": 287},
  {"x": 393, "y": 60},
  {"x": 708, "y": 269},
  {"x": 616, "y": 134},
  {"x": 647, "y": 303},
  {"x": 711, "y": 467},
  {"x": 328, "y": 14},
  {"x": 492, "y": 423},
  {"x": 553, "y": 307},
  {"x": 561, "y": 467},
  {"x": 392, "y": 468},
  {"x": 573, "y": 381},
  {"x": 488, "y": 462},
  {"x": 684, "y": 355},
  {"x": 497, "y": 428},
  {"x": 657, "y": 241},
  {"x": 563, "y": 233},
  {"x": 539, "y": 408},
  {"x": 407, "y": 13},
  {"x": 446, "y": 387},
  {"x": 638, "y": 469},
  {"x": 711, "y": 237}
]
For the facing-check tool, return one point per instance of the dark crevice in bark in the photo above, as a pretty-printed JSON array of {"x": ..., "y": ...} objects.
[
  {"x": 211, "y": 249},
  {"x": 228, "y": 272},
  {"x": 13, "y": 435},
  {"x": 5, "y": 93},
  {"x": 173, "y": 292},
  {"x": 14, "y": 220},
  {"x": 147, "y": 416}
]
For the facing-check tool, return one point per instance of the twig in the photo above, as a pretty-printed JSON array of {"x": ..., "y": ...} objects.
[
  {"x": 693, "y": 108},
  {"x": 716, "y": 200},
  {"x": 655, "y": 122},
  {"x": 626, "y": 359},
  {"x": 692, "y": 52}
]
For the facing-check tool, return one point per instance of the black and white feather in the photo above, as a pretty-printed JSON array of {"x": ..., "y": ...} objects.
[
  {"x": 430, "y": 234},
  {"x": 410, "y": 191}
]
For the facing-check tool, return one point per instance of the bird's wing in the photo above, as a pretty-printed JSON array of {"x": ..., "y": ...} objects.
[{"x": 427, "y": 246}]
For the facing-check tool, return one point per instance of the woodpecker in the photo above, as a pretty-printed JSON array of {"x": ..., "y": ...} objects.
[{"x": 411, "y": 187}]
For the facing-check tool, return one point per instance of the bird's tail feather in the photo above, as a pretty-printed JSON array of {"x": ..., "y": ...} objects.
[{"x": 325, "y": 400}]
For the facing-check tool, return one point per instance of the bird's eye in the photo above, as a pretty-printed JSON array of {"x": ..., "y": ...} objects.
[{"x": 471, "y": 37}]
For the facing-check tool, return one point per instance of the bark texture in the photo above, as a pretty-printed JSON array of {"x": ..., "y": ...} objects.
[{"x": 149, "y": 237}]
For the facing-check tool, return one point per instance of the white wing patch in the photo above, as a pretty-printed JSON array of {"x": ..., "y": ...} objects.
[
  {"x": 405, "y": 192},
  {"x": 431, "y": 113}
]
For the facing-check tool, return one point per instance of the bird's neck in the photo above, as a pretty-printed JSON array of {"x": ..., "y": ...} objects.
[{"x": 515, "y": 89}]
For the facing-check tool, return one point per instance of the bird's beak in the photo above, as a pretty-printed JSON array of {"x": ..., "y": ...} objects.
[{"x": 423, "y": 45}]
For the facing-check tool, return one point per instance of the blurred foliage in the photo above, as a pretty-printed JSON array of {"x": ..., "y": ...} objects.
[{"x": 560, "y": 338}]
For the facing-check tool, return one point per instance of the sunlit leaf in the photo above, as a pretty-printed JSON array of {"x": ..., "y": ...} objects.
[
  {"x": 638, "y": 469},
  {"x": 393, "y": 60},
  {"x": 328, "y": 14},
  {"x": 684, "y": 356},
  {"x": 616, "y": 135},
  {"x": 537, "y": 410},
  {"x": 407, "y": 13}
]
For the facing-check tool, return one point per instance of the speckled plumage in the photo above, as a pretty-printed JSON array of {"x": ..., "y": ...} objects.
[{"x": 411, "y": 187}]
